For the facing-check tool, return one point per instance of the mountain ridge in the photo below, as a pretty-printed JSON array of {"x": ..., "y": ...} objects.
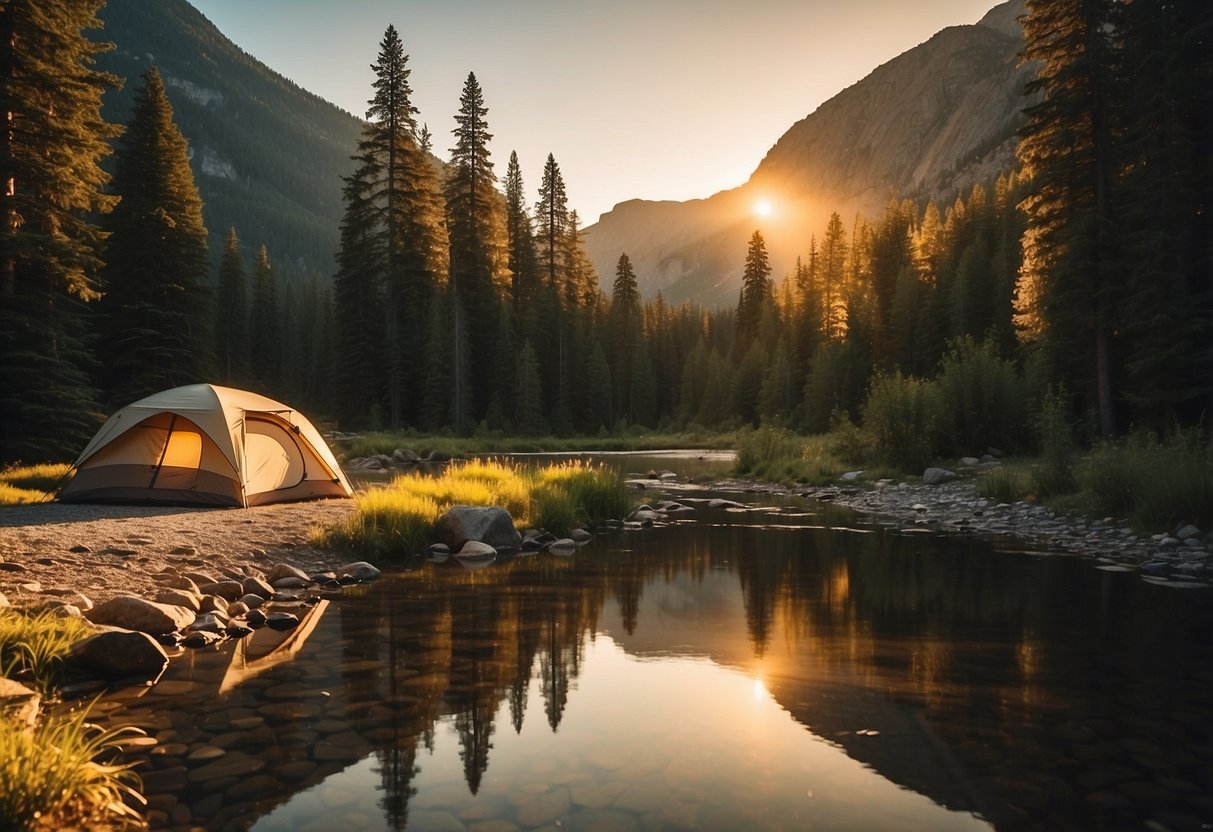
[{"x": 928, "y": 123}]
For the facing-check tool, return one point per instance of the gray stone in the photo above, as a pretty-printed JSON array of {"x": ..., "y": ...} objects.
[
  {"x": 406, "y": 456},
  {"x": 282, "y": 621},
  {"x": 440, "y": 549},
  {"x": 969, "y": 461},
  {"x": 642, "y": 514},
  {"x": 133, "y": 613},
  {"x": 580, "y": 536},
  {"x": 936, "y": 476},
  {"x": 851, "y": 476},
  {"x": 253, "y": 601},
  {"x": 253, "y": 585},
  {"x": 722, "y": 503},
  {"x": 359, "y": 571},
  {"x": 180, "y": 597},
  {"x": 476, "y": 549},
  {"x": 284, "y": 570},
  {"x": 209, "y": 622},
  {"x": 19, "y": 702},
  {"x": 290, "y": 583},
  {"x": 562, "y": 545},
  {"x": 227, "y": 590},
  {"x": 1187, "y": 532},
  {"x": 119, "y": 654},
  {"x": 255, "y": 618},
  {"x": 486, "y": 524}
]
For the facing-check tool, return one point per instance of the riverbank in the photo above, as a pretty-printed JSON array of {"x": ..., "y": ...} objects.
[{"x": 1183, "y": 560}]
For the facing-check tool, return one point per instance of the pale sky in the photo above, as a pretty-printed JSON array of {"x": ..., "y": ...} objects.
[{"x": 653, "y": 99}]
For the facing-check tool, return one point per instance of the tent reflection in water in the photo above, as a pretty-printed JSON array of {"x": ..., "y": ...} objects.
[{"x": 206, "y": 445}]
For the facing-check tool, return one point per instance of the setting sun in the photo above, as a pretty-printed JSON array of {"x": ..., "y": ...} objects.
[{"x": 764, "y": 208}]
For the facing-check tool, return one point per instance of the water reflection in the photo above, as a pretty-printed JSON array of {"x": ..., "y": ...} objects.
[{"x": 761, "y": 670}]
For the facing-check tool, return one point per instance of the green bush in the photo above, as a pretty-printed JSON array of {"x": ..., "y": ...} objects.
[
  {"x": 903, "y": 416},
  {"x": 1156, "y": 485},
  {"x": 1005, "y": 484},
  {"x": 982, "y": 399},
  {"x": 1058, "y": 453}
]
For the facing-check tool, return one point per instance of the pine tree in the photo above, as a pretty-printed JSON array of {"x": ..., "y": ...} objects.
[
  {"x": 155, "y": 330},
  {"x": 265, "y": 325},
  {"x": 232, "y": 315},
  {"x": 50, "y": 161},
  {"x": 1071, "y": 267},
  {"x": 832, "y": 274},
  {"x": 551, "y": 220},
  {"x": 528, "y": 408},
  {"x": 755, "y": 291},
  {"x": 471, "y": 203},
  {"x": 524, "y": 269},
  {"x": 624, "y": 320}
]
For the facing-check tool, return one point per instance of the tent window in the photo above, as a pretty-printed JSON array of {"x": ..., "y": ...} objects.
[{"x": 184, "y": 450}]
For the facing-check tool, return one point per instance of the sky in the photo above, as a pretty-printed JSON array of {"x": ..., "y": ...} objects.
[{"x": 650, "y": 99}]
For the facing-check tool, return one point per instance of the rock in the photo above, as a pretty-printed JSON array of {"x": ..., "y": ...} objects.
[
  {"x": 80, "y": 549},
  {"x": 253, "y": 585},
  {"x": 642, "y": 514},
  {"x": 722, "y": 503},
  {"x": 255, "y": 618},
  {"x": 5, "y": 566},
  {"x": 406, "y": 456},
  {"x": 440, "y": 549},
  {"x": 290, "y": 583},
  {"x": 252, "y": 601},
  {"x": 281, "y": 621},
  {"x": 563, "y": 545},
  {"x": 201, "y": 638},
  {"x": 178, "y": 582},
  {"x": 850, "y": 476},
  {"x": 133, "y": 613},
  {"x": 179, "y": 597},
  {"x": 918, "y": 507},
  {"x": 284, "y": 570},
  {"x": 487, "y": 524},
  {"x": 209, "y": 622},
  {"x": 200, "y": 578},
  {"x": 1186, "y": 532},
  {"x": 969, "y": 461},
  {"x": 3, "y": 601},
  {"x": 184, "y": 550},
  {"x": 121, "y": 654},
  {"x": 227, "y": 590},
  {"x": 667, "y": 476},
  {"x": 359, "y": 571},
  {"x": 237, "y": 608},
  {"x": 936, "y": 476},
  {"x": 19, "y": 702},
  {"x": 994, "y": 452},
  {"x": 1168, "y": 542},
  {"x": 212, "y": 603},
  {"x": 580, "y": 536},
  {"x": 476, "y": 549}
]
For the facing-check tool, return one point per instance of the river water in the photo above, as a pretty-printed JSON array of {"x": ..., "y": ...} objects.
[{"x": 788, "y": 666}]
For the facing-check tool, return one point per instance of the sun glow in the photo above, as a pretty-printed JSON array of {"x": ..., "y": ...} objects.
[{"x": 763, "y": 208}]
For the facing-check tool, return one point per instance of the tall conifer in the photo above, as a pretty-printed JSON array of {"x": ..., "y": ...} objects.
[
  {"x": 265, "y": 326},
  {"x": 156, "y": 316},
  {"x": 51, "y": 148},
  {"x": 755, "y": 291},
  {"x": 232, "y": 315}
]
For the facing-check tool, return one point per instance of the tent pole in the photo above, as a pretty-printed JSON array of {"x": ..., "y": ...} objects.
[{"x": 160, "y": 464}]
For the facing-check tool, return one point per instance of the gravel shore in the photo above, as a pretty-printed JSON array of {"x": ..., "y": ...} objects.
[{"x": 55, "y": 550}]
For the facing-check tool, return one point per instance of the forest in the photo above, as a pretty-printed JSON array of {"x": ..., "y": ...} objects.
[{"x": 1080, "y": 284}]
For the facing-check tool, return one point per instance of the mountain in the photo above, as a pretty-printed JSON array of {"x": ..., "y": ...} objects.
[
  {"x": 927, "y": 124},
  {"x": 268, "y": 155}
]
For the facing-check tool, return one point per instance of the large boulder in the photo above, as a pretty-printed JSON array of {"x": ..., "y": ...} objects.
[
  {"x": 121, "y": 654},
  {"x": 487, "y": 524},
  {"x": 133, "y": 613},
  {"x": 936, "y": 476}
]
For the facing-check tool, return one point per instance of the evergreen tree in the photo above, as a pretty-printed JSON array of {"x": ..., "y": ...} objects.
[
  {"x": 832, "y": 274},
  {"x": 265, "y": 325},
  {"x": 1071, "y": 268},
  {"x": 528, "y": 408},
  {"x": 232, "y": 315},
  {"x": 624, "y": 321},
  {"x": 470, "y": 205},
  {"x": 155, "y": 329},
  {"x": 551, "y": 220},
  {"x": 50, "y": 161},
  {"x": 755, "y": 291},
  {"x": 524, "y": 269}
]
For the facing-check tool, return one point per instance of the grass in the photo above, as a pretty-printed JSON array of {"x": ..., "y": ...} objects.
[
  {"x": 33, "y": 647},
  {"x": 30, "y": 483},
  {"x": 778, "y": 455},
  {"x": 1007, "y": 484},
  {"x": 54, "y": 777},
  {"x": 402, "y": 518}
]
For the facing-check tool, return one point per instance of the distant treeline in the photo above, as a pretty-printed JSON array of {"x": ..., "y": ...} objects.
[{"x": 1085, "y": 278}]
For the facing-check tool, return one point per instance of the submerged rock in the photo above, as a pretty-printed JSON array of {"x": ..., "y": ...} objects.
[{"x": 121, "y": 654}]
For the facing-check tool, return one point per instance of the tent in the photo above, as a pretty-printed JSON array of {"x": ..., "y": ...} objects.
[{"x": 206, "y": 445}]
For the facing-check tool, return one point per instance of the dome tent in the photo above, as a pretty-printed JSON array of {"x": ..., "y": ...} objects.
[{"x": 206, "y": 445}]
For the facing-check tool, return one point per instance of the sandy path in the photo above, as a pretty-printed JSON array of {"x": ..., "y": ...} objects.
[{"x": 119, "y": 548}]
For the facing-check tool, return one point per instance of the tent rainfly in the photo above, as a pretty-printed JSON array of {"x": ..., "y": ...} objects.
[{"x": 206, "y": 445}]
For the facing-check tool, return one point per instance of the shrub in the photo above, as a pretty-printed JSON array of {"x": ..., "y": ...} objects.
[
  {"x": 903, "y": 417},
  {"x": 1055, "y": 473},
  {"x": 760, "y": 449},
  {"x": 51, "y": 777},
  {"x": 1157, "y": 485},
  {"x": 982, "y": 398}
]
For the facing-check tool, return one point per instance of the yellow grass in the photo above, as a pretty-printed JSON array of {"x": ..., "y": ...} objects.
[{"x": 30, "y": 483}]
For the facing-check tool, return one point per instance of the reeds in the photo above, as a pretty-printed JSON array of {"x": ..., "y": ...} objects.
[{"x": 55, "y": 776}]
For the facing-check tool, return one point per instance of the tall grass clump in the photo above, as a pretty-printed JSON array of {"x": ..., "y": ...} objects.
[
  {"x": 981, "y": 399},
  {"x": 33, "y": 647},
  {"x": 53, "y": 777},
  {"x": 767, "y": 451},
  {"x": 1005, "y": 484},
  {"x": 903, "y": 416},
  {"x": 402, "y": 518},
  {"x": 30, "y": 483},
  {"x": 1156, "y": 484}
]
